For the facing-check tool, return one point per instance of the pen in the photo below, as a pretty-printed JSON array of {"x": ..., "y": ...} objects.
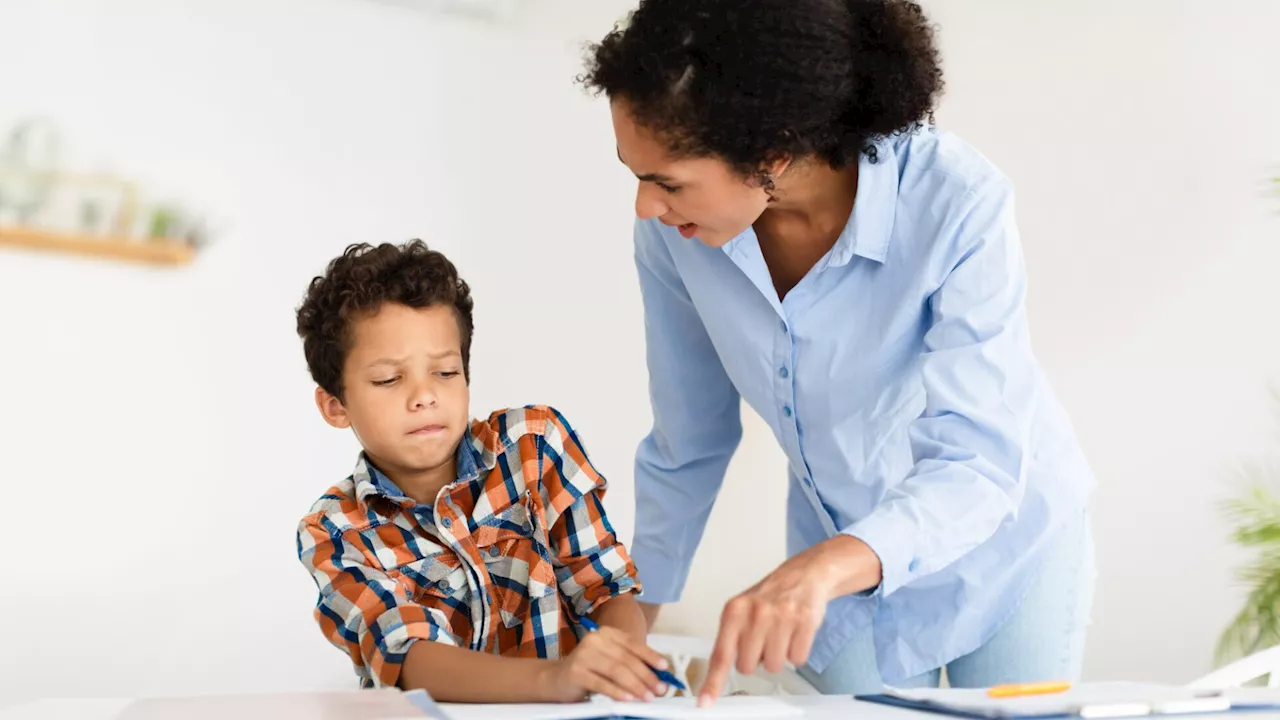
[
  {"x": 664, "y": 675},
  {"x": 1023, "y": 689}
]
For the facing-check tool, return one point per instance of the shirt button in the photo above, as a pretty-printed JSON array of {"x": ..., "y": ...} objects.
[
  {"x": 784, "y": 372},
  {"x": 443, "y": 584},
  {"x": 447, "y": 523},
  {"x": 494, "y": 551},
  {"x": 808, "y": 481},
  {"x": 783, "y": 325},
  {"x": 786, "y": 410}
]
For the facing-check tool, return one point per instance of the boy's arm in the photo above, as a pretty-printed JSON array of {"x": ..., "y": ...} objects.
[
  {"x": 594, "y": 571},
  {"x": 603, "y": 663},
  {"x": 454, "y": 674},
  {"x": 370, "y": 616},
  {"x": 623, "y": 612}
]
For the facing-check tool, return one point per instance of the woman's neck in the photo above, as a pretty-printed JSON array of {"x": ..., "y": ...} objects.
[
  {"x": 814, "y": 196},
  {"x": 802, "y": 224}
]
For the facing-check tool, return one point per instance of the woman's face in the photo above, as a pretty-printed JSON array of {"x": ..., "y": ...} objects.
[{"x": 702, "y": 197}]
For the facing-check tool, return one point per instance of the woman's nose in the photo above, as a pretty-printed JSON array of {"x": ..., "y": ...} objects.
[{"x": 649, "y": 202}]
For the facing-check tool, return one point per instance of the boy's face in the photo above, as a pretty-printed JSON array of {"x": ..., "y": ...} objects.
[{"x": 406, "y": 398}]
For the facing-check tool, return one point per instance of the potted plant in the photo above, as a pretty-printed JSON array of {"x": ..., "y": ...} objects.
[{"x": 1255, "y": 518}]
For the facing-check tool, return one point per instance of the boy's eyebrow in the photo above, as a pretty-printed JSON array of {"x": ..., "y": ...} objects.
[
  {"x": 647, "y": 177},
  {"x": 400, "y": 361}
]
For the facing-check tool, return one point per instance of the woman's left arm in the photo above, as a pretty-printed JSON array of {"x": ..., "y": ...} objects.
[
  {"x": 970, "y": 447},
  {"x": 971, "y": 443}
]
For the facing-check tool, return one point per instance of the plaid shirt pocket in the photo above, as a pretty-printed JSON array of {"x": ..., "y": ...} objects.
[{"x": 517, "y": 563}]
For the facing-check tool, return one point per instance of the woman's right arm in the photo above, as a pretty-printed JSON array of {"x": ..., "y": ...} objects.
[{"x": 680, "y": 465}]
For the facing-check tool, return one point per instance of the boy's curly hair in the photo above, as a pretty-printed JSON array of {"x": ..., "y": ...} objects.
[
  {"x": 753, "y": 82},
  {"x": 359, "y": 282}
]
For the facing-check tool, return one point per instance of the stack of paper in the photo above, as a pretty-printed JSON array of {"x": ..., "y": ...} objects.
[{"x": 678, "y": 708}]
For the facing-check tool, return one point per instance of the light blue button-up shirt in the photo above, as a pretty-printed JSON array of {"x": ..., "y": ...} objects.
[{"x": 898, "y": 377}]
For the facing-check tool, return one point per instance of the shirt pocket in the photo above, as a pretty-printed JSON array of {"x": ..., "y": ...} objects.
[
  {"x": 518, "y": 565},
  {"x": 435, "y": 577}
]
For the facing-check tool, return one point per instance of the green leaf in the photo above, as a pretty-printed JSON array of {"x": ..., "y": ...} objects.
[{"x": 1255, "y": 520}]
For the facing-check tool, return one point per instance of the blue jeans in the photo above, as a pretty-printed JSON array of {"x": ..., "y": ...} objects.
[{"x": 1042, "y": 640}]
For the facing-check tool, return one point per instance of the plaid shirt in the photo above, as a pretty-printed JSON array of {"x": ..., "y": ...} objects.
[{"x": 505, "y": 561}]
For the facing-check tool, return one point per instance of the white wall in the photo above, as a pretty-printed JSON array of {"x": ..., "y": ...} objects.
[{"x": 159, "y": 437}]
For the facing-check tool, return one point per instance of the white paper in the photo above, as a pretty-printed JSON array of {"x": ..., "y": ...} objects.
[{"x": 679, "y": 708}]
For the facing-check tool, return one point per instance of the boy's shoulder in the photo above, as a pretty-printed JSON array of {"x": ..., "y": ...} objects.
[
  {"x": 338, "y": 509},
  {"x": 504, "y": 428},
  {"x": 568, "y": 476}
]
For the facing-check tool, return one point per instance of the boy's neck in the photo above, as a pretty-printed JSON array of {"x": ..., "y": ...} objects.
[{"x": 422, "y": 486}]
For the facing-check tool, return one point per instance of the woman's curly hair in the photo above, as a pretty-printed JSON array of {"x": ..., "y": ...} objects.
[
  {"x": 751, "y": 82},
  {"x": 358, "y": 283}
]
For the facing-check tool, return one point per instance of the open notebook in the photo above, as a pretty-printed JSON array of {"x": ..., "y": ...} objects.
[
  {"x": 679, "y": 708},
  {"x": 395, "y": 705}
]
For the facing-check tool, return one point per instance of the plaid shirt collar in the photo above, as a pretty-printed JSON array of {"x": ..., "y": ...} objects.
[{"x": 476, "y": 456}]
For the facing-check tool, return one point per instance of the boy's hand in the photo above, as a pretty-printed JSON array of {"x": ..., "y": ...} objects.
[{"x": 606, "y": 662}]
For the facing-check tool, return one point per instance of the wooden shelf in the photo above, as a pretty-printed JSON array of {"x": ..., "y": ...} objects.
[{"x": 155, "y": 252}]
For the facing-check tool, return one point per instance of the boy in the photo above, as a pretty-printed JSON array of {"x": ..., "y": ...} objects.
[{"x": 460, "y": 555}]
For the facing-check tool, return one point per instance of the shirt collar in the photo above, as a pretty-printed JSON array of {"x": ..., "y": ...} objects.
[
  {"x": 475, "y": 458},
  {"x": 870, "y": 227}
]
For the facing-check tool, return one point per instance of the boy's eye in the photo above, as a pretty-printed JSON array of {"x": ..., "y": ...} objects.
[
  {"x": 449, "y": 373},
  {"x": 387, "y": 381},
  {"x": 669, "y": 188}
]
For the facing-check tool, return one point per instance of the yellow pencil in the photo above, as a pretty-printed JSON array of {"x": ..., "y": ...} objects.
[{"x": 1021, "y": 689}]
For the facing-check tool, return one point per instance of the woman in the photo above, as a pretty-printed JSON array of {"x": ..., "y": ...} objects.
[{"x": 808, "y": 242}]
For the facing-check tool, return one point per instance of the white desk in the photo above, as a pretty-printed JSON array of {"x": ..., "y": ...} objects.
[
  {"x": 816, "y": 708},
  {"x": 94, "y": 709}
]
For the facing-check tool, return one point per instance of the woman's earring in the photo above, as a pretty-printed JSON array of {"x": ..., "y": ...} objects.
[{"x": 765, "y": 179}]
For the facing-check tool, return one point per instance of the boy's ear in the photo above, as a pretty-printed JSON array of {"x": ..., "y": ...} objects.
[{"x": 331, "y": 409}]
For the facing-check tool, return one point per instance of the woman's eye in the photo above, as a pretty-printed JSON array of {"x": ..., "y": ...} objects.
[
  {"x": 669, "y": 188},
  {"x": 449, "y": 373}
]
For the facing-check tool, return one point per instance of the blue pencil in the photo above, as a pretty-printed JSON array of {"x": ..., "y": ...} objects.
[{"x": 663, "y": 675}]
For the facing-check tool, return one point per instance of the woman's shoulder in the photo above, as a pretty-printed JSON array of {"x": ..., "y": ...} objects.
[
  {"x": 947, "y": 193},
  {"x": 932, "y": 161}
]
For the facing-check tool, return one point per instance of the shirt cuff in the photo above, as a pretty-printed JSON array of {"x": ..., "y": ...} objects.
[
  {"x": 661, "y": 578},
  {"x": 890, "y": 537},
  {"x": 607, "y": 589},
  {"x": 393, "y": 639}
]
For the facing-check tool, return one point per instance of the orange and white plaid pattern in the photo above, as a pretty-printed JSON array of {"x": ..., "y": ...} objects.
[{"x": 505, "y": 561}]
